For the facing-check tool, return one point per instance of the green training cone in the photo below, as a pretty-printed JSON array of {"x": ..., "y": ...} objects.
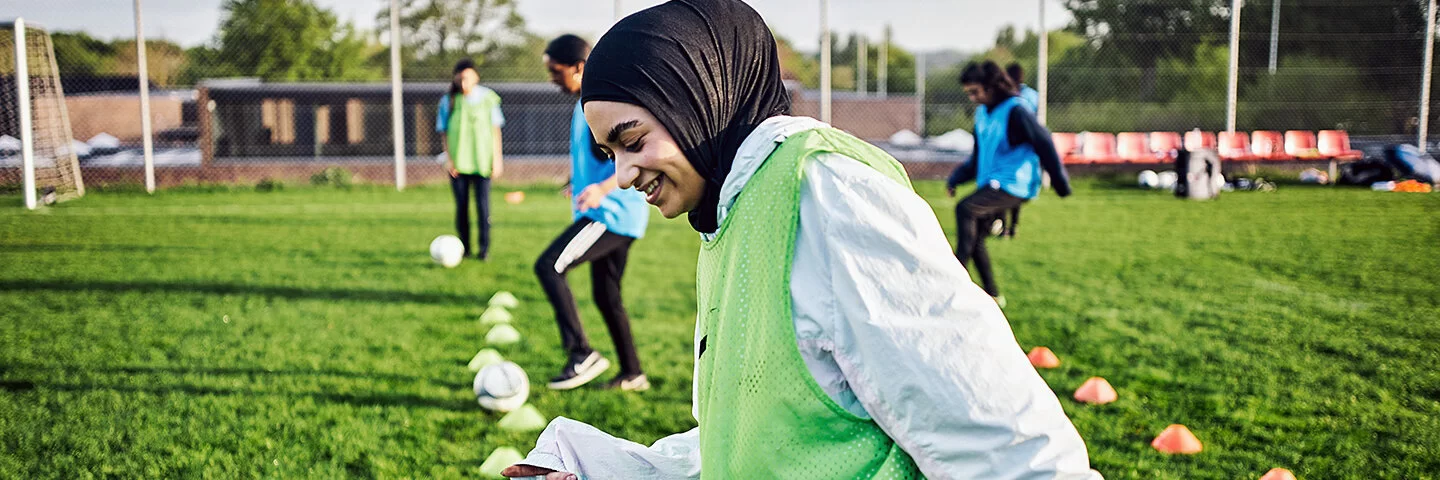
[
  {"x": 505, "y": 300},
  {"x": 502, "y": 334},
  {"x": 523, "y": 419},
  {"x": 485, "y": 357},
  {"x": 494, "y": 316},
  {"x": 499, "y": 459}
]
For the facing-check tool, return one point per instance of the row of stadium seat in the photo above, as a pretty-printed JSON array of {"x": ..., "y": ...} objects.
[{"x": 1157, "y": 147}]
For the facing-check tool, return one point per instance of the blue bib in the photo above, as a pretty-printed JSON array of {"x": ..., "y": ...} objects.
[
  {"x": 623, "y": 211},
  {"x": 1016, "y": 170}
]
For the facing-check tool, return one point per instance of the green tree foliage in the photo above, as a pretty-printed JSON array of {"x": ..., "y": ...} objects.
[
  {"x": 437, "y": 33},
  {"x": 283, "y": 40},
  {"x": 77, "y": 53}
]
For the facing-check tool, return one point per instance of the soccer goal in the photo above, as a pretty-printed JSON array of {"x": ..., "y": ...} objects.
[{"x": 36, "y": 151}]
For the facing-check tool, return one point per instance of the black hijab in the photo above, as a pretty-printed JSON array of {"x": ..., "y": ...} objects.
[{"x": 707, "y": 69}]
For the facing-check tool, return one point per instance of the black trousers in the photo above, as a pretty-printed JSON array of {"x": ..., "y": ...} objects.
[
  {"x": 461, "y": 185},
  {"x": 589, "y": 241},
  {"x": 973, "y": 217}
]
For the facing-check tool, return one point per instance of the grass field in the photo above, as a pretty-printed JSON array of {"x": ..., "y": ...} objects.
[{"x": 305, "y": 333}]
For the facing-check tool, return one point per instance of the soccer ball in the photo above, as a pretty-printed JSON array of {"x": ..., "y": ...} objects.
[
  {"x": 502, "y": 387},
  {"x": 1149, "y": 179},
  {"x": 447, "y": 250},
  {"x": 1167, "y": 180}
]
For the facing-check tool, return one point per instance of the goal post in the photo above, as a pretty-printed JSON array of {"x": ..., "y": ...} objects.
[{"x": 36, "y": 150}]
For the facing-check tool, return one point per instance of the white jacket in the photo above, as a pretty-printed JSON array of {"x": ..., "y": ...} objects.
[{"x": 892, "y": 328}]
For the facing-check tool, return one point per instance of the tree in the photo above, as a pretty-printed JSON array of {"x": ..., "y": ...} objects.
[
  {"x": 436, "y": 33},
  {"x": 285, "y": 40},
  {"x": 80, "y": 54},
  {"x": 165, "y": 60}
]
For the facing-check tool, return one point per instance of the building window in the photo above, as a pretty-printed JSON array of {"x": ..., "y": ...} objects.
[
  {"x": 355, "y": 120},
  {"x": 278, "y": 117}
]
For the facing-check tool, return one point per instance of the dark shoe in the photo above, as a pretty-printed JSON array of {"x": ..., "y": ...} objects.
[
  {"x": 628, "y": 383},
  {"x": 580, "y": 371}
]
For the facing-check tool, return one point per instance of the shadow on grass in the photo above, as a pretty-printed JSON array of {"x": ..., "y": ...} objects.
[
  {"x": 376, "y": 398},
  {"x": 216, "y": 371},
  {"x": 299, "y": 293}
]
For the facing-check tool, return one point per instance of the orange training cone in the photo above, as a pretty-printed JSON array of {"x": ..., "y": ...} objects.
[
  {"x": 514, "y": 198},
  {"x": 1278, "y": 474},
  {"x": 1097, "y": 391},
  {"x": 1176, "y": 439},
  {"x": 1042, "y": 357}
]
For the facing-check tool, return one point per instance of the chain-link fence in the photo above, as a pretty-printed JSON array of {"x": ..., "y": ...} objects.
[{"x": 267, "y": 98}]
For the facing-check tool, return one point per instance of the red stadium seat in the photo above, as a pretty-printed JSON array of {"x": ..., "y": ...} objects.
[
  {"x": 1301, "y": 144},
  {"x": 1268, "y": 145},
  {"x": 1165, "y": 144},
  {"x": 1134, "y": 147},
  {"x": 1099, "y": 148},
  {"x": 1195, "y": 140},
  {"x": 1065, "y": 143},
  {"x": 1234, "y": 146},
  {"x": 1336, "y": 144}
]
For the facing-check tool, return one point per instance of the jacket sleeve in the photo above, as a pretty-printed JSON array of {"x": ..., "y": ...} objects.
[
  {"x": 574, "y": 447},
  {"x": 928, "y": 354},
  {"x": 1022, "y": 128},
  {"x": 965, "y": 171}
]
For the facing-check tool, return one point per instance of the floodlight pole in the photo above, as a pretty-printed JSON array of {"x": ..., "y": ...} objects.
[
  {"x": 397, "y": 105},
  {"x": 862, "y": 57},
  {"x": 920, "y": 93},
  {"x": 27, "y": 134},
  {"x": 1232, "y": 97},
  {"x": 1274, "y": 36},
  {"x": 882, "y": 84},
  {"x": 825, "y": 61},
  {"x": 1422, "y": 142},
  {"x": 145, "y": 133}
]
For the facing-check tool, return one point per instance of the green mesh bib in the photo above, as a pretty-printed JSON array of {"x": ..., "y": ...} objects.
[
  {"x": 762, "y": 415},
  {"x": 471, "y": 134}
]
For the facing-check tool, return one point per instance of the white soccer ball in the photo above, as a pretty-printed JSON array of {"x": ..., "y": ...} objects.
[
  {"x": 447, "y": 250},
  {"x": 1149, "y": 179},
  {"x": 1167, "y": 180},
  {"x": 502, "y": 387}
]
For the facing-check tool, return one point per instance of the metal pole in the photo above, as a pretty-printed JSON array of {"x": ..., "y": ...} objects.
[
  {"x": 1274, "y": 36},
  {"x": 619, "y": 9},
  {"x": 1042, "y": 75},
  {"x": 27, "y": 132},
  {"x": 397, "y": 118},
  {"x": 144, "y": 77},
  {"x": 1232, "y": 98},
  {"x": 920, "y": 93},
  {"x": 1422, "y": 140},
  {"x": 825, "y": 61},
  {"x": 862, "y": 54},
  {"x": 882, "y": 84}
]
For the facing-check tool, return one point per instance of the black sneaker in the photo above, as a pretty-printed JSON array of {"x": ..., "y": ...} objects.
[
  {"x": 629, "y": 383},
  {"x": 580, "y": 371}
]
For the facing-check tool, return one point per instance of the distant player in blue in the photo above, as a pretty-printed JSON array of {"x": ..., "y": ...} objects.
[
  {"x": 607, "y": 221},
  {"x": 1011, "y": 149},
  {"x": 1028, "y": 96}
]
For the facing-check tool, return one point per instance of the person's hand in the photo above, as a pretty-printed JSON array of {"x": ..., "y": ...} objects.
[
  {"x": 450, "y": 168},
  {"x": 950, "y": 191},
  {"x": 590, "y": 197},
  {"x": 497, "y": 170},
  {"x": 532, "y": 471}
]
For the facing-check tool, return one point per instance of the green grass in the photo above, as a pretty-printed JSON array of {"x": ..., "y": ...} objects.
[{"x": 305, "y": 333}]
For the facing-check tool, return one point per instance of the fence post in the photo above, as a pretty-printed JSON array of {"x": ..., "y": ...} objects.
[
  {"x": 1232, "y": 97},
  {"x": 1042, "y": 81},
  {"x": 144, "y": 77},
  {"x": 825, "y": 61},
  {"x": 397, "y": 117},
  {"x": 1421, "y": 141}
]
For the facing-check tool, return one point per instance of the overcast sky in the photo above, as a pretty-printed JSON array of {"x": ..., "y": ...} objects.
[{"x": 918, "y": 24}]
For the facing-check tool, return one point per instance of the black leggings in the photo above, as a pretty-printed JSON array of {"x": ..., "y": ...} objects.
[
  {"x": 973, "y": 216},
  {"x": 589, "y": 241},
  {"x": 460, "y": 185}
]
